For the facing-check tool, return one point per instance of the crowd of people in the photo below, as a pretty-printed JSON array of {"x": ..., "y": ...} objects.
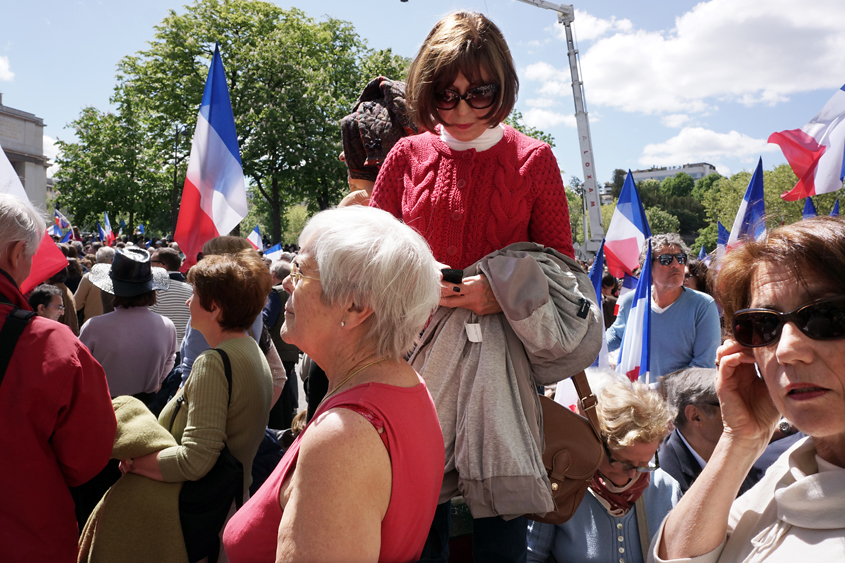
[{"x": 151, "y": 414}]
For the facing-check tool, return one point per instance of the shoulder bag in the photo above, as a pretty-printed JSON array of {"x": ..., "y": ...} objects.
[
  {"x": 572, "y": 451},
  {"x": 204, "y": 504}
]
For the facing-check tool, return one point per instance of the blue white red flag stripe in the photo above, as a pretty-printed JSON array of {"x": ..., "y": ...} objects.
[
  {"x": 61, "y": 220},
  {"x": 274, "y": 252},
  {"x": 627, "y": 231},
  {"x": 254, "y": 238},
  {"x": 721, "y": 243},
  {"x": 809, "y": 208},
  {"x": 214, "y": 195},
  {"x": 596, "y": 274},
  {"x": 110, "y": 238},
  {"x": 101, "y": 234},
  {"x": 750, "y": 222},
  {"x": 816, "y": 152},
  {"x": 633, "y": 354},
  {"x": 835, "y": 211},
  {"x": 67, "y": 236}
]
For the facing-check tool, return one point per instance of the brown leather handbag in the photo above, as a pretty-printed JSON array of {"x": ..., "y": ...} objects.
[{"x": 572, "y": 453}]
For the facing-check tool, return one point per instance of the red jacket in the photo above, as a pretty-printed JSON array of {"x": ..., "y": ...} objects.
[{"x": 57, "y": 429}]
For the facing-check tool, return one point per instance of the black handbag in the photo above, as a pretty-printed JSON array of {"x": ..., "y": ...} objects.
[{"x": 205, "y": 503}]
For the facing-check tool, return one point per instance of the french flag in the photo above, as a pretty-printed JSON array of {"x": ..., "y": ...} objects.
[
  {"x": 214, "y": 196},
  {"x": 722, "y": 237},
  {"x": 750, "y": 220},
  {"x": 629, "y": 283},
  {"x": 274, "y": 252},
  {"x": 596, "y": 274},
  {"x": 835, "y": 211},
  {"x": 67, "y": 236},
  {"x": 55, "y": 231},
  {"x": 809, "y": 209},
  {"x": 633, "y": 354},
  {"x": 110, "y": 238},
  {"x": 816, "y": 152},
  {"x": 254, "y": 238},
  {"x": 703, "y": 256},
  {"x": 627, "y": 231},
  {"x": 101, "y": 234},
  {"x": 61, "y": 220}
]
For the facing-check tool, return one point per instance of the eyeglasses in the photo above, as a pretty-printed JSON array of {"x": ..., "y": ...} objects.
[
  {"x": 652, "y": 466},
  {"x": 296, "y": 275},
  {"x": 58, "y": 307},
  {"x": 823, "y": 319},
  {"x": 666, "y": 259},
  {"x": 480, "y": 97}
]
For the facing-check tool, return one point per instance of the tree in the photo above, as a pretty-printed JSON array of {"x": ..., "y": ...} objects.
[
  {"x": 679, "y": 185},
  {"x": 660, "y": 221},
  {"x": 619, "y": 177},
  {"x": 515, "y": 120},
  {"x": 704, "y": 185}
]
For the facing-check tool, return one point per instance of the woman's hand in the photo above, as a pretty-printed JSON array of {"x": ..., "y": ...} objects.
[
  {"x": 145, "y": 465},
  {"x": 748, "y": 413},
  {"x": 474, "y": 294}
]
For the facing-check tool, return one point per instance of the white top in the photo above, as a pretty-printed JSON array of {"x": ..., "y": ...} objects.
[{"x": 694, "y": 453}]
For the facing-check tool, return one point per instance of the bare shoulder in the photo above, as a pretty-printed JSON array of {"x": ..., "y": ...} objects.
[{"x": 341, "y": 435}]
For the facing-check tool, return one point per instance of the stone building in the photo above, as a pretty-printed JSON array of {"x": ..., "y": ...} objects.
[{"x": 22, "y": 139}]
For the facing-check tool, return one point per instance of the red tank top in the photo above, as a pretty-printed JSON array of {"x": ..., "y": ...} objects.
[{"x": 408, "y": 425}]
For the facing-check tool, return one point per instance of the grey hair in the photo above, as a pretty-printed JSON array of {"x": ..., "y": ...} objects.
[
  {"x": 368, "y": 255},
  {"x": 659, "y": 241},
  {"x": 20, "y": 221},
  {"x": 280, "y": 269},
  {"x": 105, "y": 255},
  {"x": 690, "y": 386}
]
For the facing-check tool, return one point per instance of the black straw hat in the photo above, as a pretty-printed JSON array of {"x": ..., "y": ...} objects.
[{"x": 130, "y": 274}]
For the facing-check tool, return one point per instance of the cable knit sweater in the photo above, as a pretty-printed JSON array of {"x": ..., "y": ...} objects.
[{"x": 467, "y": 204}]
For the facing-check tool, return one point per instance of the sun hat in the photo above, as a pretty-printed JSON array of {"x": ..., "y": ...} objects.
[{"x": 130, "y": 274}]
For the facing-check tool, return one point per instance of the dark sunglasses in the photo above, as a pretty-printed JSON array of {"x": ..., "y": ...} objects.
[
  {"x": 666, "y": 259},
  {"x": 652, "y": 466},
  {"x": 823, "y": 319},
  {"x": 480, "y": 97}
]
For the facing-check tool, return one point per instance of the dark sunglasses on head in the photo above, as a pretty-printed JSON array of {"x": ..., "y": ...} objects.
[
  {"x": 480, "y": 97},
  {"x": 823, "y": 319},
  {"x": 666, "y": 259}
]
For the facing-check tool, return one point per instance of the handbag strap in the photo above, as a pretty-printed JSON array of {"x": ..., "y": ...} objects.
[
  {"x": 16, "y": 322},
  {"x": 588, "y": 401},
  {"x": 642, "y": 526},
  {"x": 227, "y": 369}
]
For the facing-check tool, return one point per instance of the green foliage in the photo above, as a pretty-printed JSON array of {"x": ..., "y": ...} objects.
[
  {"x": 704, "y": 185},
  {"x": 708, "y": 236},
  {"x": 515, "y": 121},
  {"x": 295, "y": 219},
  {"x": 679, "y": 185},
  {"x": 722, "y": 201},
  {"x": 384, "y": 63},
  {"x": 660, "y": 221},
  {"x": 576, "y": 215}
]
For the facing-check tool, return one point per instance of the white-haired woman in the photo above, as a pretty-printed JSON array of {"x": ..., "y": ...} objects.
[
  {"x": 607, "y": 528},
  {"x": 361, "y": 482}
]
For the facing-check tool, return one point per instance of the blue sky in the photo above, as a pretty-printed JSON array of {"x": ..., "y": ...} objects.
[{"x": 667, "y": 82}]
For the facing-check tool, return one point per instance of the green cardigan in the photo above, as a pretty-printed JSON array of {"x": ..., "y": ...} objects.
[{"x": 203, "y": 423}]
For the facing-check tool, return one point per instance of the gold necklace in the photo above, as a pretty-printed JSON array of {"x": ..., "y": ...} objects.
[{"x": 347, "y": 378}]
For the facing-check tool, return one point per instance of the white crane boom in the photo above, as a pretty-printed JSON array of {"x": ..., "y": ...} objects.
[{"x": 592, "y": 201}]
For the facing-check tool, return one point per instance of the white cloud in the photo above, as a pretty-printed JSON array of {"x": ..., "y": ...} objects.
[
  {"x": 751, "y": 52},
  {"x": 6, "y": 74},
  {"x": 588, "y": 27},
  {"x": 674, "y": 121},
  {"x": 543, "y": 118},
  {"x": 541, "y": 102},
  {"x": 543, "y": 72},
  {"x": 51, "y": 151},
  {"x": 696, "y": 144}
]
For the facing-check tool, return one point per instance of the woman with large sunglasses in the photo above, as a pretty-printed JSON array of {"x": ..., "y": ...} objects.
[
  {"x": 785, "y": 298},
  {"x": 606, "y": 527},
  {"x": 471, "y": 186}
]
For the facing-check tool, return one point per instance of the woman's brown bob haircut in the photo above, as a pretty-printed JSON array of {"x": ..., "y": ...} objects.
[
  {"x": 465, "y": 42},
  {"x": 237, "y": 284},
  {"x": 812, "y": 249}
]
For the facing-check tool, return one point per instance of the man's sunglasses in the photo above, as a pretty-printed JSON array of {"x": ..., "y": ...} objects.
[
  {"x": 823, "y": 319},
  {"x": 666, "y": 259},
  {"x": 480, "y": 97}
]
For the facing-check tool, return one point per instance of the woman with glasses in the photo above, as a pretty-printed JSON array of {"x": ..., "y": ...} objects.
[
  {"x": 786, "y": 357},
  {"x": 471, "y": 186},
  {"x": 607, "y": 528},
  {"x": 360, "y": 483}
]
